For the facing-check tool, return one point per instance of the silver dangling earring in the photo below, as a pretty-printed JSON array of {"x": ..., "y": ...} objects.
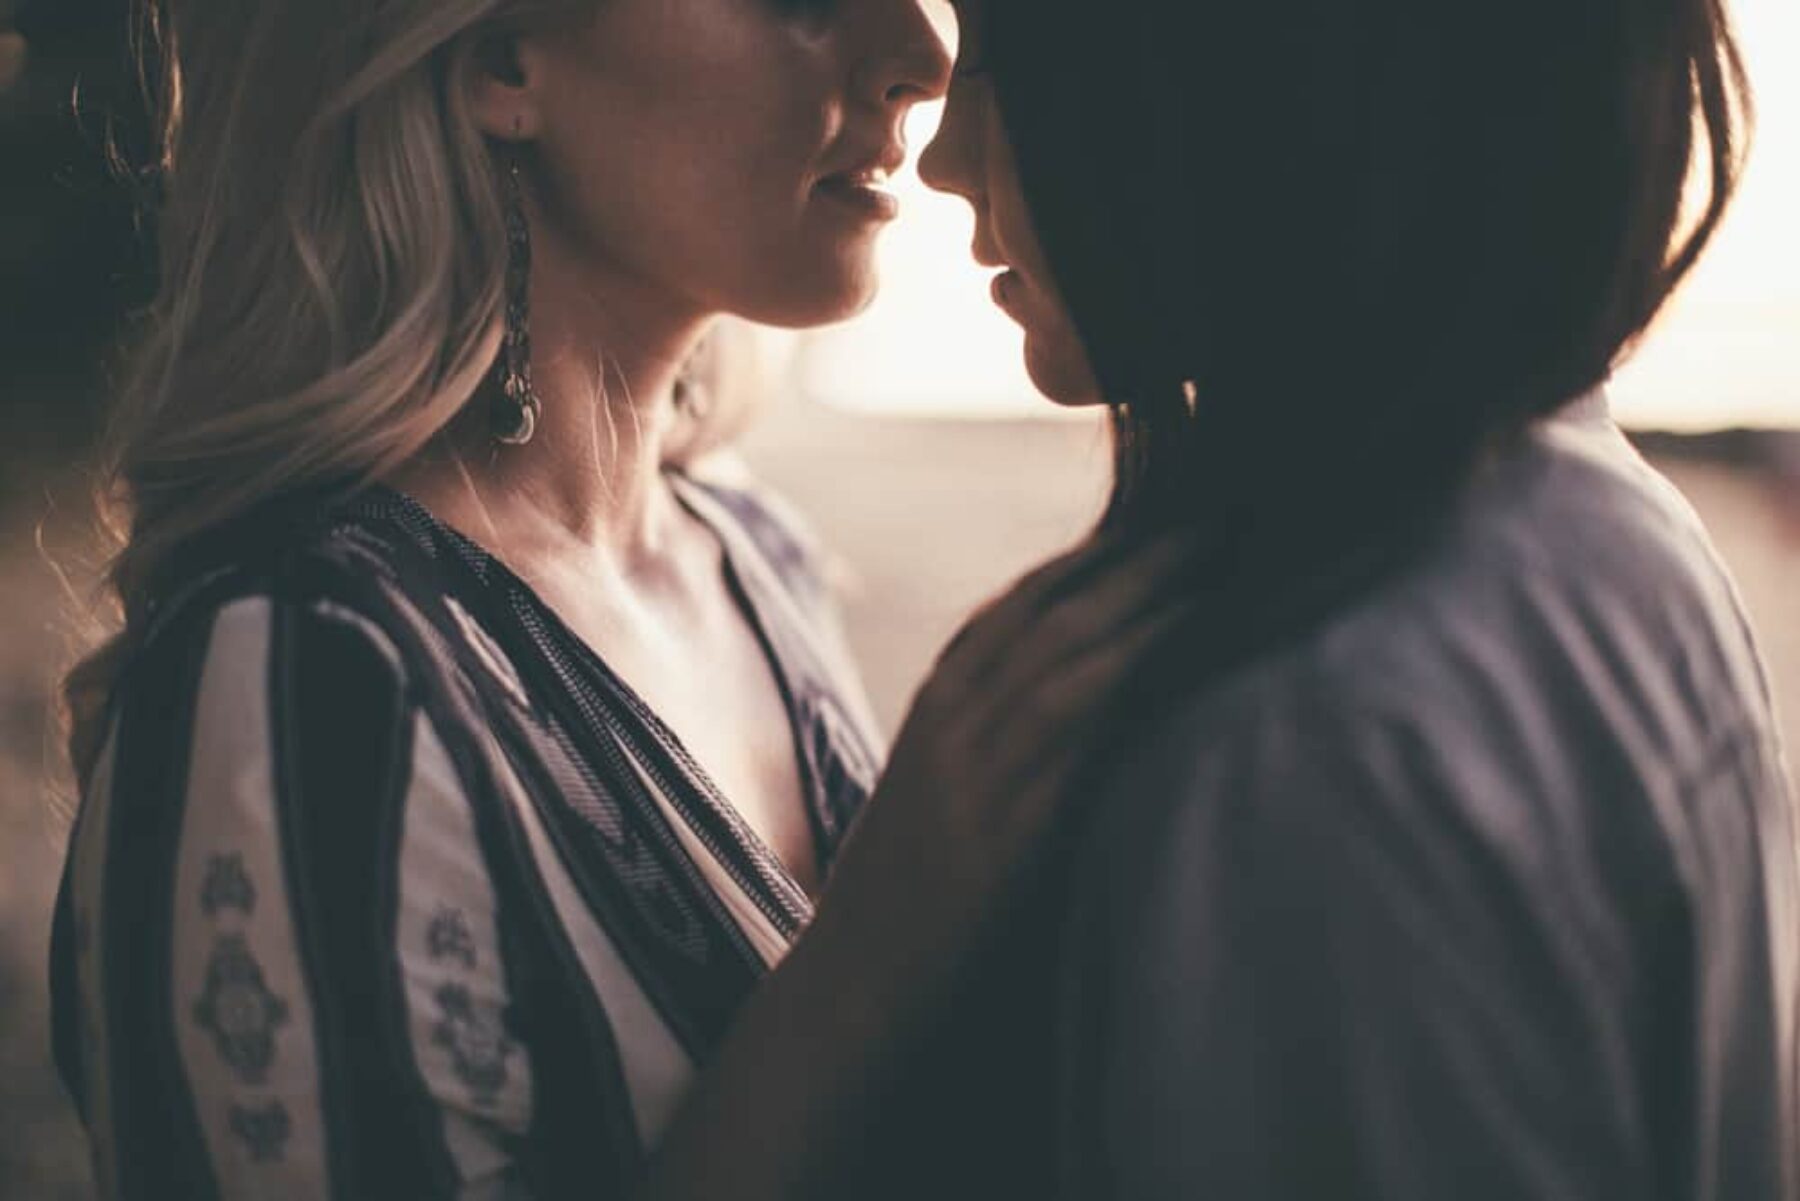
[{"x": 515, "y": 413}]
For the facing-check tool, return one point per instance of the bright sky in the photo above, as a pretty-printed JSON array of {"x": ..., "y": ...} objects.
[{"x": 1726, "y": 353}]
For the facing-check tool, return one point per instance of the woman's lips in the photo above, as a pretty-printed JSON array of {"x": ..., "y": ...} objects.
[
  {"x": 1005, "y": 291},
  {"x": 864, "y": 192}
]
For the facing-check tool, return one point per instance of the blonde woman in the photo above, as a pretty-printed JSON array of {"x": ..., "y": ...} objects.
[{"x": 463, "y": 796}]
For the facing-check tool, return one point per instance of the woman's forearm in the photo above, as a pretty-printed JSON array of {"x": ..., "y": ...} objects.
[{"x": 792, "y": 1080}]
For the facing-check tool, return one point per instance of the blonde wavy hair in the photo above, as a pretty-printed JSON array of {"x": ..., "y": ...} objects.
[{"x": 333, "y": 264}]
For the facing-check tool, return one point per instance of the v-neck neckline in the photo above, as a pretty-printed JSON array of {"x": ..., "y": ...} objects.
[
  {"x": 744, "y": 578},
  {"x": 770, "y": 885}
]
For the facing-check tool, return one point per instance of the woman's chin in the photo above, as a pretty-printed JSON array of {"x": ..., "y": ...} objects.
[
  {"x": 1061, "y": 372},
  {"x": 832, "y": 293}
]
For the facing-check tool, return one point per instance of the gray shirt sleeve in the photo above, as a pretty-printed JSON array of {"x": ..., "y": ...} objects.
[{"x": 1301, "y": 965}]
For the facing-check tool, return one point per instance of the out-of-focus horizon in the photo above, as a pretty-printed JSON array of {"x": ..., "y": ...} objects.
[{"x": 1726, "y": 352}]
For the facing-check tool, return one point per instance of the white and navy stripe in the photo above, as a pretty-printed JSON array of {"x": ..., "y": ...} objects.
[{"x": 384, "y": 887}]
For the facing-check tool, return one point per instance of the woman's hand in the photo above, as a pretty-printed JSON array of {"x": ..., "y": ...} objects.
[
  {"x": 979, "y": 778},
  {"x": 984, "y": 767}
]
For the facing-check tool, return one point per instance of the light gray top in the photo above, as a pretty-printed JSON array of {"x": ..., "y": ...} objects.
[{"x": 1487, "y": 889}]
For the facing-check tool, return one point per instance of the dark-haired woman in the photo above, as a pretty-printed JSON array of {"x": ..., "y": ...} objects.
[{"x": 1448, "y": 853}]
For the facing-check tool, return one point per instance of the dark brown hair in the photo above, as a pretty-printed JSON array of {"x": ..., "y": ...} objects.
[{"x": 1375, "y": 236}]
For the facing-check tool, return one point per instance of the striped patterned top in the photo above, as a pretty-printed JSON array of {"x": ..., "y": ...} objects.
[{"x": 384, "y": 885}]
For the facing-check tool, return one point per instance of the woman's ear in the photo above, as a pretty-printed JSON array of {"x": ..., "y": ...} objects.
[{"x": 503, "y": 96}]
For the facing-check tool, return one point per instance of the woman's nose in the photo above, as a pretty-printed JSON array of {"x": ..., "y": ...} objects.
[
  {"x": 911, "y": 60},
  {"x": 951, "y": 163}
]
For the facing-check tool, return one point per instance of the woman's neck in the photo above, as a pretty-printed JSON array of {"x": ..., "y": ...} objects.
[{"x": 604, "y": 364}]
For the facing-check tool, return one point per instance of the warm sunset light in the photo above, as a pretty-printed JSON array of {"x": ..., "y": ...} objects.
[{"x": 1726, "y": 353}]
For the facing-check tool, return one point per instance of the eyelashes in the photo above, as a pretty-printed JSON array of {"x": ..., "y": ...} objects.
[{"x": 968, "y": 65}]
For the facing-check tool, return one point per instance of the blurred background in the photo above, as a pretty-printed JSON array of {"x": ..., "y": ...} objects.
[{"x": 909, "y": 437}]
